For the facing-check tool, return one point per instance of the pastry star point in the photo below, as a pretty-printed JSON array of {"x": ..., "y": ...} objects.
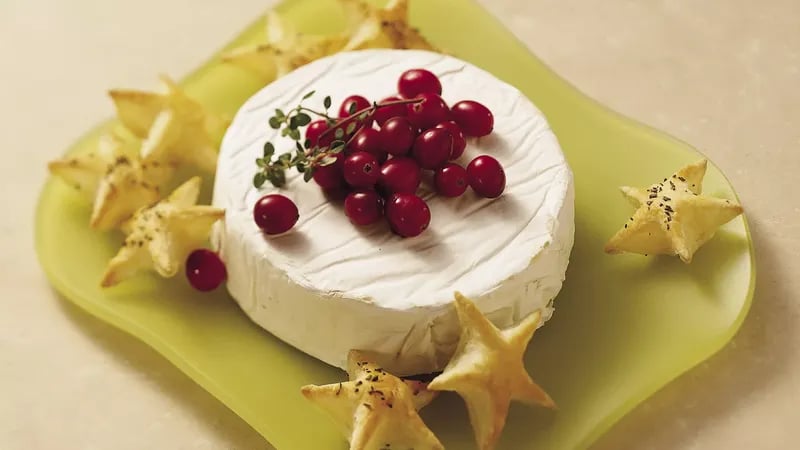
[
  {"x": 386, "y": 27},
  {"x": 161, "y": 236},
  {"x": 284, "y": 49},
  {"x": 487, "y": 370},
  {"x": 114, "y": 177},
  {"x": 374, "y": 408},
  {"x": 673, "y": 217},
  {"x": 172, "y": 126}
]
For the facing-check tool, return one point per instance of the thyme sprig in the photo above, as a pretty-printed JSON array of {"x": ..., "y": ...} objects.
[{"x": 307, "y": 157}]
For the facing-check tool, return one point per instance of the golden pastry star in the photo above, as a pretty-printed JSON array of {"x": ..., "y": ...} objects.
[
  {"x": 381, "y": 28},
  {"x": 487, "y": 370},
  {"x": 114, "y": 178},
  {"x": 375, "y": 409},
  {"x": 284, "y": 50},
  {"x": 174, "y": 128},
  {"x": 672, "y": 218},
  {"x": 162, "y": 235}
]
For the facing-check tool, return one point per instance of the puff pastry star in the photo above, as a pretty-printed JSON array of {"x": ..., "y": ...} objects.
[
  {"x": 173, "y": 127},
  {"x": 487, "y": 370},
  {"x": 386, "y": 27},
  {"x": 161, "y": 236},
  {"x": 672, "y": 217},
  {"x": 284, "y": 50},
  {"x": 375, "y": 409},
  {"x": 114, "y": 178}
]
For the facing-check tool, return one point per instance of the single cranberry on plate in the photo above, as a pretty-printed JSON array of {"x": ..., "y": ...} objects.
[
  {"x": 397, "y": 136},
  {"x": 384, "y": 113},
  {"x": 433, "y": 148},
  {"x": 363, "y": 207},
  {"x": 450, "y": 180},
  {"x": 430, "y": 111},
  {"x": 205, "y": 270},
  {"x": 315, "y": 129},
  {"x": 330, "y": 177},
  {"x": 400, "y": 175},
  {"x": 417, "y": 81},
  {"x": 275, "y": 214},
  {"x": 408, "y": 214},
  {"x": 473, "y": 118},
  {"x": 486, "y": 176},
  {"x": 361, "y": 170},
  {"x": 352, "y": 104},
  {"x": 459, "y": 141}
]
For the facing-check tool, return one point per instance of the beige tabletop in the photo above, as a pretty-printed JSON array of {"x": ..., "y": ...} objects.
[{"x": 723, "y": 75}]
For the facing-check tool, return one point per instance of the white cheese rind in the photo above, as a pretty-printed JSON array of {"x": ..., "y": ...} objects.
[{"x": 327, "y": 286}]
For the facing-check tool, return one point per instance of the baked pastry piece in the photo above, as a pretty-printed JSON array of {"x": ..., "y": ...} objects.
[
  {"x": 387, "y": 27},
  {"x": 161, "y": 236},
  {"x": 488, "y": 371},
  {"x": 374, "y": 409},
  {"x": 672, "y": 217},
  {"x": 284, "y": 49},
  {"x": 114, "y": 177},
  {"x": 173, "y": 127}
]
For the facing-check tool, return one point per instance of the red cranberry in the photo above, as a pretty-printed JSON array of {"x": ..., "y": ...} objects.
[
  {"x": 347, "y": 105},
  {"x": 459, "y": 142},
  {"x": 417, "y": 81},
  {"x": 361, "y": 169},
  {"x": 433, "y": 148},
  {"x": 397, "y": 136},
  {"x": 486, "y": 176},
  {"x": 330, "y": 177},
  {"x": 385, "y": 113},
  {"x": 368, "y": 140},
  {"x": 315, "y": 129},
  {"x": 275, "y": 214},
  {"x": 430, "y": 111},
  {"x": 450, "y": 180},
  {"x": 205, "y": 270},
  {"x": 363, "y": 207},
  {"x": 400, "y": 175},
  {"x": 408, "y": 214},
  {"x": 473, "y": 118}
]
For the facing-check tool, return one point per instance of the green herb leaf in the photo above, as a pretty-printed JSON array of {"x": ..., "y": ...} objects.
[
  {"x": 301, "y": 167},
  {"x": 352, "y": 108},
  {"x": 285, "y": 158},
  {"x": 327, "y": 160},
  {"x": 259, "y": 179},
  {"x": 299, "y": 147},
  {"x": 294, "y": 133},
  {"x": 285, "y": 132},
  {"x": 351, "y": 127},
  {"x": 363, "y": 116},
  {"x": 293, "y": 122},
  {"x": 308, "y": 95},
  {"x": 307, "y": 143},
  {"x": 274, "y": 123},
  {"x": 327, "y": 102},
  {"x": 308, "y": 175},
  {"x": 277, "y": 177},
  {"x": 269, "y": 150},
  {"x": 303, "y": 119},
  {"x": 339, "y": 133},
  {"x": 336, "y": 147},
  {"x": 279, "y": 113},
  {"x": 261, "y": 162}
]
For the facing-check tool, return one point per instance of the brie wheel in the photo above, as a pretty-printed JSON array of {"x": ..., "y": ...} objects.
[{"x": 327, "y": 286}]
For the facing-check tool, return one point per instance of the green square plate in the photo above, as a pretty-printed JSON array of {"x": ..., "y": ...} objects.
[{"x": 624, "y": 326}]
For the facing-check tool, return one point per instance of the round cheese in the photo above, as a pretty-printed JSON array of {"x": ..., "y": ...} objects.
[{"x": 327, "y": 286}]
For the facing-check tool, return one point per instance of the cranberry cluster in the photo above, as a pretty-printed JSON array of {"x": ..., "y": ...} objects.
[{"x": 380, "y": 169}]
